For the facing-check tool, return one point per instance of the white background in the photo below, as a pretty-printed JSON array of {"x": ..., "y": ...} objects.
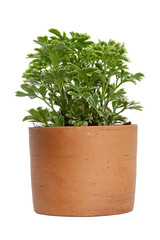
[{"x": 137, "y": 23}]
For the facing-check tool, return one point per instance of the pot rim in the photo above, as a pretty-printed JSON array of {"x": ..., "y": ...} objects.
[{"x": 73, "y": 127}]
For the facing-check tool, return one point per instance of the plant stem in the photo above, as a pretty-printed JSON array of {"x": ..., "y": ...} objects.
[
  {"x": 46, "y": 102},
  {"x": 106, "y": 103},
  {"x": 104, "y": 79}
]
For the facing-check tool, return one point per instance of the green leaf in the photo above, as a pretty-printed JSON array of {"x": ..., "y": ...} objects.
[
  {"x": 77, "y": 84},
  {"x": 21, "y": 94},
  {"x": 44, "y": 114},
  {"x": 36, "y": 116},
  {"x": 138, "y": 76},
  {"x": 135, "y": 105},
  {"x": 43, "y": 39},
  {"x": 60, "y": 47},
  {"x": 93, "y": 101},
  {"x": 42, "y": 91},
  {"x": 58, "y": 121},
  {"x": 56, "y": 32},
  {"x": 86, "y": 95},
  {"x": 29, "y": 90},
  {"x": 73, "y": 94},
  {"x": 81, "y": 123},
  {"x": 29, "y": 118}
]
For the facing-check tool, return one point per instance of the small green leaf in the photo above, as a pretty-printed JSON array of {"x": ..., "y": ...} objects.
[
  {"x": 44, "y": 114},
  {"x": 58, "y": 121},
  {"x": 93, "y": 100},
  {"x": 29, "y": 118},
  {"x": 138, "y": 76},
  {"x": 42, "y": 91},
  {"x": 29, "y": 90},
  {"x": 60, "y": 47},
  {"x": 35, "y": 115},
  {"x": 21, "y": 94},
  {"x": 73, "y": 94},
  {"x": 56, "y": 32},
  {"x": 86, "y": 95}
]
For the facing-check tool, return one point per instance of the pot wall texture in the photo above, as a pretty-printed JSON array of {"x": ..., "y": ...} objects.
[{"x": 83, "y": 171}]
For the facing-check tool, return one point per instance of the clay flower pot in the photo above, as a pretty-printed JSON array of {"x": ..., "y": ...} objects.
[{"x": 83, "y": 171}]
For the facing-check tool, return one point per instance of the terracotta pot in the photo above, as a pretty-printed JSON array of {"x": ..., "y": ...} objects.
[{"x": 83, "y": 171}]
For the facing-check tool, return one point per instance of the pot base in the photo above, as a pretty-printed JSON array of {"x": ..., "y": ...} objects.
[{"x": 85, "y": 215}]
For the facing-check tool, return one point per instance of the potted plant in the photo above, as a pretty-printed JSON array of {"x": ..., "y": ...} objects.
[{"x": 83, "y": 150}]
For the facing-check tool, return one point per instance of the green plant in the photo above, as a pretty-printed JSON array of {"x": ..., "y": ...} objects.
[{"x": 84, "y": 79}]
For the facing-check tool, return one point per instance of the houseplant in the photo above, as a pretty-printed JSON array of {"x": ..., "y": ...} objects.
[{"x": 83, "y": 150}]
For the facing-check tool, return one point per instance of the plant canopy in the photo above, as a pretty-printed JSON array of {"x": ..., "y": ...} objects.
[{"x": 82, "y": 78}]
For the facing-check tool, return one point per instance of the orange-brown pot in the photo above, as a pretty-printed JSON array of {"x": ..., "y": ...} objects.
[{"x": 83, "y": 171}]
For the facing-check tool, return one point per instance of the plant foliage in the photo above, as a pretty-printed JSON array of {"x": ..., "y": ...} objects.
[{"x": 84, "y": 79}]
